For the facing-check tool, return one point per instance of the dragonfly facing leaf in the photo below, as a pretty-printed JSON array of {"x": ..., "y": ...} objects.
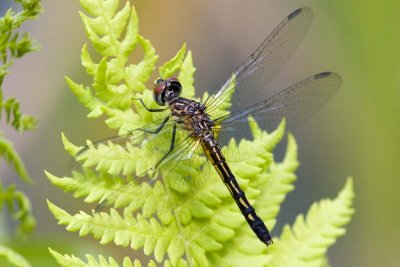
[{"x": 189, "y": 125}]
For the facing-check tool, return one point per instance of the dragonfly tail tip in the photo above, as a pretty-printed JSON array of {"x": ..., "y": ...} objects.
[{"x": 267, "y": 239}]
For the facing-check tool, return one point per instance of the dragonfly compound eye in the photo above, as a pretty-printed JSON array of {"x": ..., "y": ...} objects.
[
  {"x": 175, "y": 86},
  {"x": 159, "y": 92}
]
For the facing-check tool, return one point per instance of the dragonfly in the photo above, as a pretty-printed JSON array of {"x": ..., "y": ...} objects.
[{"x": 203, "y": 123}]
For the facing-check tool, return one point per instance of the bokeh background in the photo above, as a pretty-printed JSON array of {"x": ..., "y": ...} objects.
[{"x": 356, "y": 134}]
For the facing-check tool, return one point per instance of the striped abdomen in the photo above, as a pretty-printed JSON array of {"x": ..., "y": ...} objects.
[{"x": 213, "y": 153}]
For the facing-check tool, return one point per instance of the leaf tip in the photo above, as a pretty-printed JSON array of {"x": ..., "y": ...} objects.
[{"x": 72, "y": 149}]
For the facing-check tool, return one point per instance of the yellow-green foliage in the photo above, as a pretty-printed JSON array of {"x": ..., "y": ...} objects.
[
  {"x": 198, "y": 224},
  {"x": 14, "y": 46}
]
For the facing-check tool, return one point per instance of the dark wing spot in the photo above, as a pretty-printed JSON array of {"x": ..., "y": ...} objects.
[
  {"x": 295, "y": 13},
  {"x": 322, "y": 75}
]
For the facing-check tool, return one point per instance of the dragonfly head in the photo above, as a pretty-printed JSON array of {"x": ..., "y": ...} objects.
[{"x": 166, "y": 90}]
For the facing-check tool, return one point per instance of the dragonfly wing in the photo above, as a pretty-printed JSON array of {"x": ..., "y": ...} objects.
[
  {"x": 296, "y": 103},
  {"x": 262, "y": 66},
  {"x": 130, "y": 153},
  {"x": 167, "y": 186},
  {"x": 135, "y": 136},
  {"x": 167, "y": 178}
]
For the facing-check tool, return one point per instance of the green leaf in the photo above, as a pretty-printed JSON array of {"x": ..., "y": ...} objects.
[
  {"x": 280, "y": 181},
  {"x": 3, "y": 73},
  {"x": 21, "y": 46},
  {"x": 15, "y": 118},
  {"x": 94, "y": 188},
  {"x": 8, "y": 153},
  {"x": 115, "y": 82},
  {"x": 87, "y": 61},
  {"x": 201, "y": 209},
  {"x": 71, "y": 260},
  {"x": 69, "y": 147},
  {"x": 20, "y": 207},
  {"x": 132, "y": 29},
  {"x": 174, "y": 64},
  {"x": 14, "y": 45},
  {"x": 86, "y": 97},
  {"x": 268, "y": 183},
  {"x": 13, "y": 257},
  {"x": 123, "y": 231},
  {"x": 137, "y": 75},
  {"x": 186, "y": 76},
  {"x": 99, "y": 8},
  {"x": 67, "y": 260},
  {"x": 177, "y": 215},
  {"x": 308, "y": 239},
  {"x": 10, "y": 40}
]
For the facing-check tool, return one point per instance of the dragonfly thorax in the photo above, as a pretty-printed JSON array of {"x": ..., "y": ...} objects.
[{"x": 191, "y": 115}]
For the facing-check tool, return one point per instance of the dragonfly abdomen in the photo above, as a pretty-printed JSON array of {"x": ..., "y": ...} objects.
[{"x": 213, "y": 153}]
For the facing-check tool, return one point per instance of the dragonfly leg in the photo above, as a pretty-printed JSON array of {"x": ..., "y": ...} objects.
[
  {"x": 171, "y": 147},
  {"x": 157, "y": 130},
  {"x": 150, "y": 109}
]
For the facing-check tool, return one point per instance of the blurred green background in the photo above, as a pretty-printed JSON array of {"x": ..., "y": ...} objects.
[{"x": 357, "y": 133}]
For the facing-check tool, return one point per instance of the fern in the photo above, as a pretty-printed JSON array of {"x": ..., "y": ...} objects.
[
  {"x": 200, "y": 224},
  {"x": 13, "y": 258},
  {"x": 309, "y": 237},
  {"x": 13, "y": 45},
  {"x": 66, "y": 260}
]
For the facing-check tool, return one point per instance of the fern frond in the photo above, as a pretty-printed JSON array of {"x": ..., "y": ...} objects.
[
  {"x": 15, "y": 118},
  {"x": 10, "y": 41},
  {"x": 174, "y": 64},
  {"x": 210, "y": 207},
  {"x": 20, "y": 207},
  {"x": 8, "y": 153},
  {"x": 93, "y": 188},
  {"x": 186, "y": 74},
  {"x": 122, "y": 230},
  {"x": 267, "y": 185},
  {"x": 306, "y": 242},
  {"x": 14, "y": 45},
  {"x": 279, "y": 184},
  {"x": 71, "y": 260},
  {"x": 115, "y": 82},
  {"x": 13, "y": 257},
  {"x": 178, "y": 215}
]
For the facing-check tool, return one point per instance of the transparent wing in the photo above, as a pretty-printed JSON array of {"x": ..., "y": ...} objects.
[
  {"x": 162, "y": 177},
  {"x": 135, "y": 136},
  {"x": 253, "y": 75},
  {"x": 169, "y": 179},
  {"x": 180, "y": 180},
  {"x": 296, "y": 104}
]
